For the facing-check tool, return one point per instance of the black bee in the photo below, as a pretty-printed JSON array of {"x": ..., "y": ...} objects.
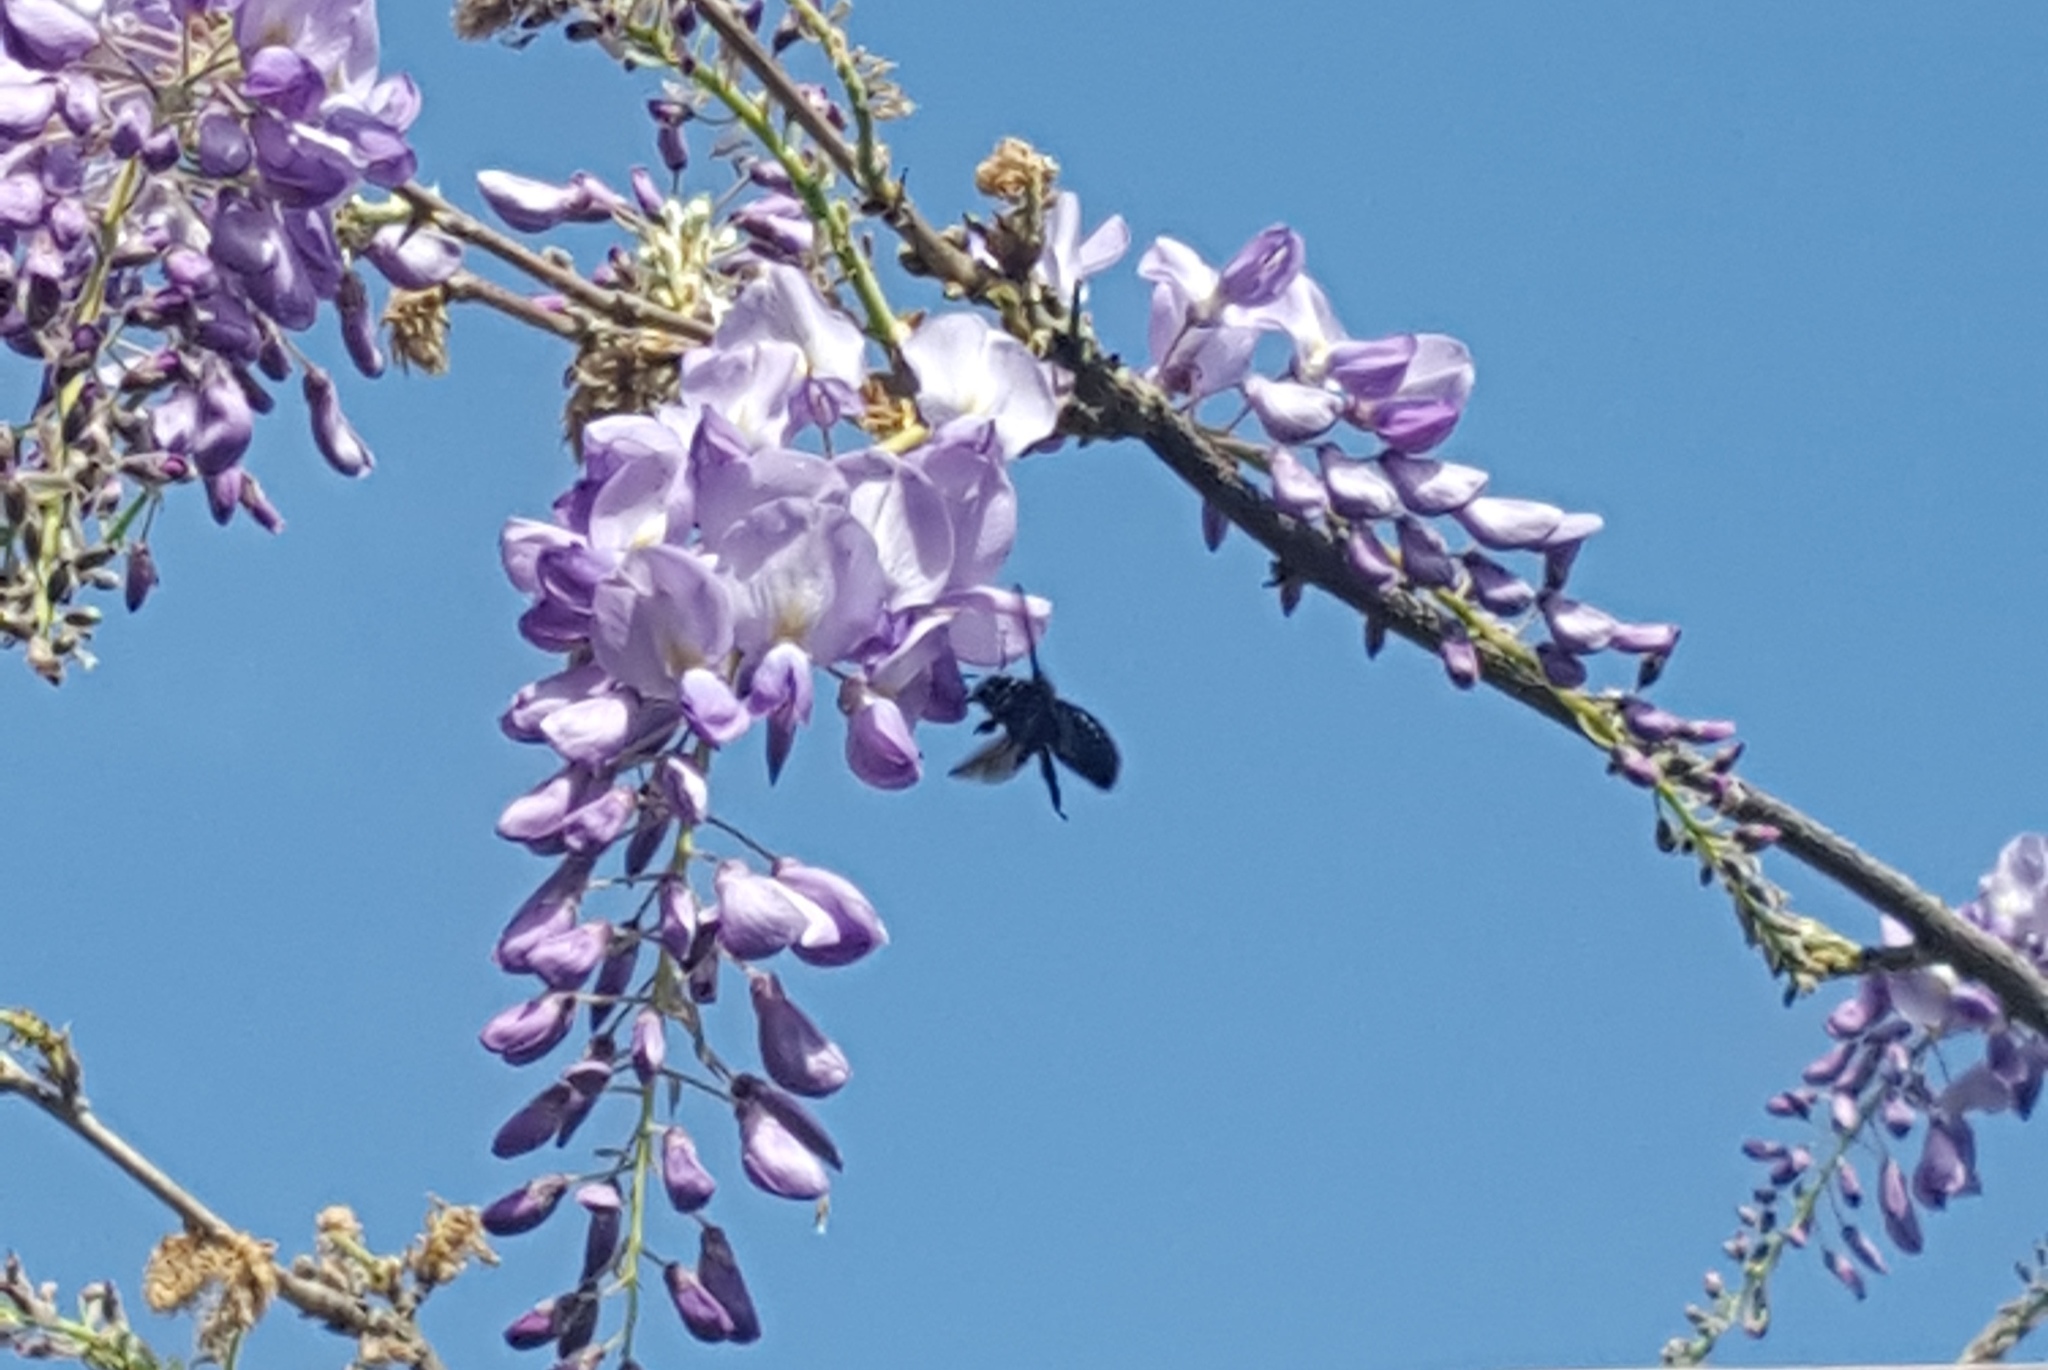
[{"x": 1035, "y": 721}]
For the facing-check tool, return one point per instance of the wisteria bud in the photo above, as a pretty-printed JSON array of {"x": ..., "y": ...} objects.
[
  {"x": 526, "y": 1032},
  {"x": 719, "y": 1273},
  {"x": 1901, "y": 1223},
  {"x": 141, "y": 576},
  {"x": 703, "y": 1316},
  {"x": 601, "y": 1240},
  {"x": 565, "y": 960},
  {"x": 526, "y": 1207},
  {"x": 587, "y": 1080},
  {"x": 650, "y": 1045},
  {"x": 332, "y": 433},
  {"x": 795, "y": 1053},
  {"x": 533, "y": 1328},
  {"x": 534, "y": 1125},
  {"x": 683, "y": 1176},
  {"x": 782, "y": 1148}
]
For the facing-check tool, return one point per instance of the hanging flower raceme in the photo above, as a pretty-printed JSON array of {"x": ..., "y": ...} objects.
[
  {"x": 703, "y": 569},
  {"x": 169, "y": 178},
  {"x": 1891, "y": 1098}
]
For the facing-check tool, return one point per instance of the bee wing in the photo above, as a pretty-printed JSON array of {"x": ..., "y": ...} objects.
[
  {"x": 1084, "y": 745},
  {"x": 993, "y": 763}
]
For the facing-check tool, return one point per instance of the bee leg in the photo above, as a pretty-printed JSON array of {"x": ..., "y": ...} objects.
[{"x": 1052, "y": 780}]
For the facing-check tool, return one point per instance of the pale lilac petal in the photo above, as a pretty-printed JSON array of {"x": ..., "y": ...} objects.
[
  {"x": 981, "y": 502},
  {"x": 880, "y": 749},
  {"x": 781, "y": 305},
  {"x": 907, "y": 516},
  {"x": 1509, "y": 524},
  {"x": 1358, "y": 489},
  {"x": 967, "y": 371},
  {"x": 711, "y": 708},
  {"x": 666, "y": 612},
  {"x": 757, "y": 916},
  {"x": 796, "y": 1055},
  {"x": 413, "y": 258},
  {"x": 854, "y": 927},
  {"x": 993, "y": 627},
  {"x": 1297, "y": 491},
  {"x": 1430, "y": 487},
  {"x": 1290, "y": 411}
]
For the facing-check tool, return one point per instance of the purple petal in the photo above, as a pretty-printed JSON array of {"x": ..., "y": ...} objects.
[
  {"x": 720, "y": 1274},
  {"x": 1947, "y": 1162},
  {"x": 795, "y": 1053},
  {"x": 773, "y": 1156},
  {"x": 528, "y": 205},
  {"x": 1262, "y": 268},
  {"x": 1424, "y": 558},
  {"x": 855, "y": 929},
  {"x": 879, "y": 747},
  {"x": 1290, "y": 411},
  {"x": 1901, "y": 1223},
  {"x": 1358, "y": 489},
  {"x": 535, "y": 1124},
  {"x": 332, "y": 433},
  {"x": 688, "y": 1183},
  {"x": 1429, "y": 487},
  {"x": 565, "y": 960},
  {"x": 1495, "y": 587},
  {"x": 413, "y": 258},
  {"x": 526, "y": 1032},
  {"x": 757, "y": 916},
  {"x": 1370, "y": 369},
  {"x": 703, "y": 1316},
  {"x": 526, "y": 1207},
  {"x": 47, "y": 34}
]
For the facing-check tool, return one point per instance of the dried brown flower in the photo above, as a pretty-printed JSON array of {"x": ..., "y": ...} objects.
[
  {"x": 417, "y": 321},
  {"x": 451, "y": 1235},
  {"x": 620, "y": 372},
  {"x": 230, "y": 1279},
  {"x": 1016, "y": 171}
]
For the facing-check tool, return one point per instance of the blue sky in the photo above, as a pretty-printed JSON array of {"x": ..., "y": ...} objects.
[{"x": 1362, "y": 1025}]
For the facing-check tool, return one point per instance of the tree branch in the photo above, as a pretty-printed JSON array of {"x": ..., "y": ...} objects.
[
  {"x": 338, "y": 1311},
  {"x": 615, "y": 305},
  {"x": 1111, "y": 401},
  {"x": 2014, "y": 1319},
  {"x": 467, "y": 285}
]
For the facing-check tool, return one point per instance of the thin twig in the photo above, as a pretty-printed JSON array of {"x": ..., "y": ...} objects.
[
  {"x": 467, "y": 285},
  {"x": 886, "y": 197},
  {"x": 616, "y": 305},
  {"x": 2014, "y": 1319},
  {"x": 338, "y": 1311}
]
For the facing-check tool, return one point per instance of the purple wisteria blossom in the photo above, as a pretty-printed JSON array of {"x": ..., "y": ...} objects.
[
  {"x": 1899, "y": 1087},
  {"x": 171, "y": 173},
  {"x": 1407, "y": 392},
  {"x": 703, "y": 572}
]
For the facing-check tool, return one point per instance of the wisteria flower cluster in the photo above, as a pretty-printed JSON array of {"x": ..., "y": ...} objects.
[
  {"x": 698, "y": 576},
  {"x": 1408, "y": 391},
  {"x": 1891, "y": 1092},
  {"x": 169, "y": 174}
]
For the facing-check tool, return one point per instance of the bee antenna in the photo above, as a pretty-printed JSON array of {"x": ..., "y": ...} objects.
[{"x": 1030, "y": 637}]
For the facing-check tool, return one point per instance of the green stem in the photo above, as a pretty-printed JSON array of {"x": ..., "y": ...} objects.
[
  {"x": 636, "y": 1224},
  {"x": 833, "y": 217}
]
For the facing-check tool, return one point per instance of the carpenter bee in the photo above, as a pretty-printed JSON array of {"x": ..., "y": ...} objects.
[{"x": 1035, "y": 721}]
